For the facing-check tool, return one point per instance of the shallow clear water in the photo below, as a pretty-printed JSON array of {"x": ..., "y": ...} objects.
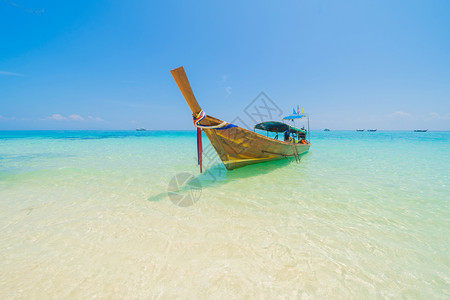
[{"x": 86, "y": 214}]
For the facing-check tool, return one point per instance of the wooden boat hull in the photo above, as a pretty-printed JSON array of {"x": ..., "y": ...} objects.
[{"x": 238, "y": 147}]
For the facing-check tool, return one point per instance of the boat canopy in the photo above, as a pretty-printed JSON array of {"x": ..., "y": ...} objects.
[
  {"x": 292, "y": 117},
  {"x": 273, "y": 126}
]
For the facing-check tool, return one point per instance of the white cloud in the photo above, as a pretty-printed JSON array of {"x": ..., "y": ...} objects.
[
  {"x": 98, "y": 119},
  {"x": 72, "y": 117},
  {"x": 2, "y": 117},
  {"x": 9, "y": 73},
  {"x": 228, "y": 90},
  {"x": 401, "y": 115},
  {"x": 436, "y": 116},
  {"x": 75, "y": 117},
  {"x": 57, "y": 117},
  {"x": 224, "y": 78}
]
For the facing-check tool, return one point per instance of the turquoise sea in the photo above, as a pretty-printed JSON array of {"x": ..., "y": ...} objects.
[{"x": 85, "y": 214}]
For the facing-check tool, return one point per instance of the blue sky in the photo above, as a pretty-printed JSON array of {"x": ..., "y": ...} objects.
[{"x": 106, "y": 64}]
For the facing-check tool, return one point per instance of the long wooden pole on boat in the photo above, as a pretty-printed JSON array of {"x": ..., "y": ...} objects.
[{"x": 183, "y": 83}]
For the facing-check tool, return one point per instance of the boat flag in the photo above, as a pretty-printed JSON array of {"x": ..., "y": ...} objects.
[
  {"x": 298, "y": 110},
  {"x": 294, "y": 111},
  {"x": 303, "y": 110}
]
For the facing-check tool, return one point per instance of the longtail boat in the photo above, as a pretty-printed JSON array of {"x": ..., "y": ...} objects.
[{"x": 238, "y": 147}]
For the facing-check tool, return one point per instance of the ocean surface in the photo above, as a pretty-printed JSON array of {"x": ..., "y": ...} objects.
[{"x": 124, "y": 214}]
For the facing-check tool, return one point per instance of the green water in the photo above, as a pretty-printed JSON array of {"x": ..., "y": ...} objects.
[{"x": 86, "y": 214}]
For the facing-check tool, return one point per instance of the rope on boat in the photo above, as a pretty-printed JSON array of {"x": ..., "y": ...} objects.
[{"x": 201, "y": 116}]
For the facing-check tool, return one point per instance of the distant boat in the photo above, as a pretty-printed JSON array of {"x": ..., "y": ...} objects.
[
  {"x": 141, "y": 129},
  {"x": 326, "y": 129},
  {"x": 421, "y": 130},
  {"x": 359, "y": 129},
  {"x": 371, "y": 130}
]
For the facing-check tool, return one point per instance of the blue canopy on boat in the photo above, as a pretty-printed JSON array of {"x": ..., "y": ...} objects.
[
  {"x": 291, "y": 117},
  {"x": 273, "y": 126}
]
